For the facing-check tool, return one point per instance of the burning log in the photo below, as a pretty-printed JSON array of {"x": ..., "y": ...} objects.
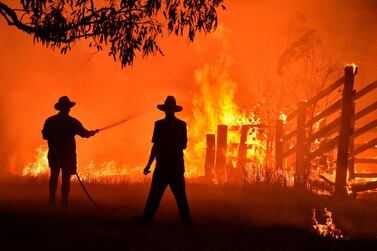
[
  {"x": 209, "y": 164},
  {"x": 221, "y": 152}
]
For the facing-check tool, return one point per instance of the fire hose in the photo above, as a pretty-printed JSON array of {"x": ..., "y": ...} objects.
[
  {"x": 122, "y": 121},
  {"x": 99, "y": 130},
  {"x": 86, "y": 191}
]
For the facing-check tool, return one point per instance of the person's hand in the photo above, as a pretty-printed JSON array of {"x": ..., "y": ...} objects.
[
  {"x": 94, "y": 132},
  {"x": 147, "y": 170}
]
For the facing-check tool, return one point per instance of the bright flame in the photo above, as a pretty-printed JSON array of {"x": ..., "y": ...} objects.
[
  {"x": 214, "y": 104},
  {"x": 283, "y": 117},
  {"x": 40, "y": 165},
  {"x": 109, "y": 171},
  {"x": 328, "y": 229},
  {"x": 354, "y": 67}
]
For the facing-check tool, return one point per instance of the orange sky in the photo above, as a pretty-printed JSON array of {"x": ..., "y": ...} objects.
[{"x": 253, "y": 35}]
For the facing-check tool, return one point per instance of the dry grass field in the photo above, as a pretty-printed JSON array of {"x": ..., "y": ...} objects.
[{"x": 226, "y": 218}]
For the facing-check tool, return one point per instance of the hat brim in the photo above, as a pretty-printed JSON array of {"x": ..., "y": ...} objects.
[
  {"x": 165, "y": 108},
  {"x": 58, "y": 106}
]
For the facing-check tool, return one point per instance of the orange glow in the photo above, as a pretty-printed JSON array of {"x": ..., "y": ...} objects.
[
  {"x": 213, "y": 104},
  {"x": 219, "y": 79}
]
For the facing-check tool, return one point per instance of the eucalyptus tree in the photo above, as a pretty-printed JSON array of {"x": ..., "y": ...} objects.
[{"x": 125, "y": 28}]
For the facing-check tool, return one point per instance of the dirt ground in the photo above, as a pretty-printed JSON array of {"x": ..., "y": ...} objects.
[{"x": 226, "y": 218}]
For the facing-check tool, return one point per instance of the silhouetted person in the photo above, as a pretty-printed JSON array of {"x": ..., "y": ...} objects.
[
  {"x": 59, "y": 131},
  {"x": 169, "y": 140}
]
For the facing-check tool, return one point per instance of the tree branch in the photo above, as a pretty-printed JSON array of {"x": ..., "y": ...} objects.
[
  {"x": 132, "y": 27},
  {"x": 12, "y": 19}
]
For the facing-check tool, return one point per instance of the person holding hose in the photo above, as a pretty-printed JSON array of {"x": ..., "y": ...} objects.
[{"x": 60, "y": 131}]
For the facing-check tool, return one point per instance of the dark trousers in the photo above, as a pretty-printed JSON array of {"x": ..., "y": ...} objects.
[
  {"x": 177, "y": 185},
  {"x": 53, "y": 184}
]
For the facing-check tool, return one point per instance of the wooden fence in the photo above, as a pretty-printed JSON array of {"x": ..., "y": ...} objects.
[
  {"x": 339, "y": 134},
  {"x": 217, "y": 161},
  {"x": 343, "y": 127}
]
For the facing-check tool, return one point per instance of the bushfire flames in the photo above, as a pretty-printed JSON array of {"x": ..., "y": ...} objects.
[
  {"x": 109, "y": 171},
  {"x": 213, "y": 104},
  {"x": 328, "y": 229}
]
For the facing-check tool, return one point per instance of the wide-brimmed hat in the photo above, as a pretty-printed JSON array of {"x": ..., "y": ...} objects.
[
  {"x": 170, "y": 105},
  {"x": 64, "y": 103}
]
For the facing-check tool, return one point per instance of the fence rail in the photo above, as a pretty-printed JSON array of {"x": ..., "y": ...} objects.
[
  {"x": 339, "y": 134},
  {"x": 342, "y": 127}
]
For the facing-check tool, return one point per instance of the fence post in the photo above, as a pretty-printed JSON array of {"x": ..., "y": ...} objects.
[
  {"x": 345, "y": 132},
  {"x": 351, "y": 162},
  {"x": 242, "y": 148},
  {"x": 279, "y": 145},
  {"x": 300, "y": 175},
  {"x": 209, "y": 163},
  {"x": 221, "y": 151}
]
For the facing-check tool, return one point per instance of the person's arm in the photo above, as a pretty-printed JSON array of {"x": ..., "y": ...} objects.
[
  {"x": 82, "y": 132},
  {"x": 152, "y": 156},
  {"x": 45, "y": 130}
]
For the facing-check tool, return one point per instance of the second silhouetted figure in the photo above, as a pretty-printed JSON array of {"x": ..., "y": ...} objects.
[{"x": 169, "y": 141}]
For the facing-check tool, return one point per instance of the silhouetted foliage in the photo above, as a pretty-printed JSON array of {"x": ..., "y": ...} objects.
[{"x": 125, "y": 26}]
